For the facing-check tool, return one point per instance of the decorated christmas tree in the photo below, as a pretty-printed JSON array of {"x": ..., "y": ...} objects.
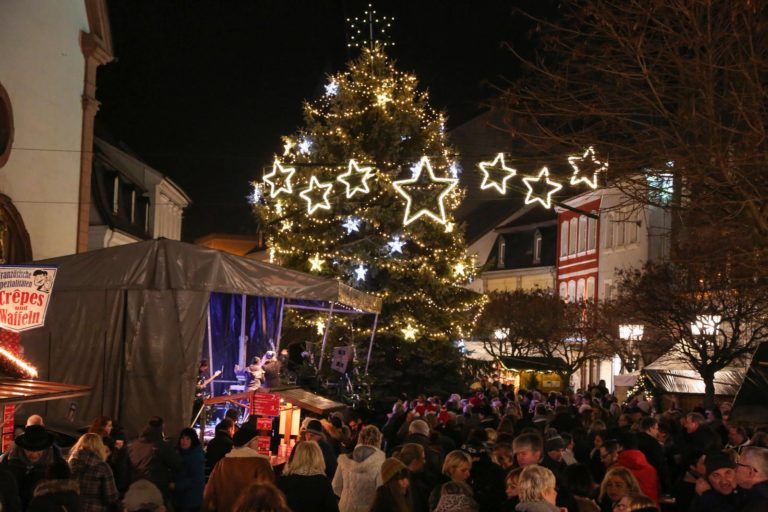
[{"x": 364, "y": 192}]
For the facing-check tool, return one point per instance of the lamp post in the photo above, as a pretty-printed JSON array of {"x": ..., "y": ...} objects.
[{"x": 631, "y": 333}]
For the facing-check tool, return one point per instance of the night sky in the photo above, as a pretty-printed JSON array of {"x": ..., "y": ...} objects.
[{"x": 203, "y": 90}]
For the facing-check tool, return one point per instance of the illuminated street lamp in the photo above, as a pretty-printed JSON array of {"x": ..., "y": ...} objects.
[
  {"x": 705, "y": 324},
  {"x": 631, "y": 333}
]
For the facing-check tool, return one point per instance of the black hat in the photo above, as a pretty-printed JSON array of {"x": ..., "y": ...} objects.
[
  {"x": 315, "y": 427},
  {"x": 243, "y": 436},
  {"x": 717, "y": 460},
  {"x": 35, "y": 438},
  {"x": 554, "y": 443}
]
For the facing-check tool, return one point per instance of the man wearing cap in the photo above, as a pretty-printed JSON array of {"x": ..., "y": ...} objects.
[
  {"x": 717, "y": 492},
  {"x": 553, "y": 456},
  {"x": 28, "y": 463},
  {"x": 237, "y": 470},
  {"x": 314, "y": 432},
  {"x": 752, "y": 477}
]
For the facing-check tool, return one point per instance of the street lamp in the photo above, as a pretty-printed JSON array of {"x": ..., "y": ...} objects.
[
  {"x": 631, "y": 333},
  {"x": 705, "y": 324}
]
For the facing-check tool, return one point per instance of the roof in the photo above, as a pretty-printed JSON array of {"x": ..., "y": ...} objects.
[
  {"x": 532, "y": 218},
  {"x": 672, "y": 373},
  {"x": 172, "y": 265},
  {"x": 538, "y": 363},
  {"x": 750, "y": 405},
  {"x": 17, "y": 391}
]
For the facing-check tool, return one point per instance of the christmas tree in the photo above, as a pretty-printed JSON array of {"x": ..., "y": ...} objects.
[{"x": 364, "y": 192}]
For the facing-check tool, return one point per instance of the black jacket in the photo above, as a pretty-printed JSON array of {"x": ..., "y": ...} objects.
[
  {"x": 654, "y": 453},
  {"x": 308, "y": 493},
  {"x": 55, "y": 495},
  {"x": 217, "y": 448}
]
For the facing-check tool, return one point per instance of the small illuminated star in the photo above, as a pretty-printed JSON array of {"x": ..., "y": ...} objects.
[
  {"x": 288, "y": 146},
  {"x": 256, "y": 196},
  {"x": 382, "y": 99},
  {"x": 497, "y": 166},
  {"x": 356, "y": 179},
  {"x": 307, "y": 193},
  {"x": 447, "y": 184},
  {"x": 287, "y": 225},
  {"x": 286, "y": 173},
  {"x": 279, "y": 207},
  {"x": 454, "y": 170},
  {"x": 592, "y": 163},
  {"x": 360, "y": 272},
  {"x": 320, "y": 326},
  {"x": 351, "y": 224},
  {"x": 449, "y": 227},
  {"x": 532, "y": 196},
  {"x": 409, "y": 332},
  {"x": 332, "y": 88},
  {"x": 396, "y": 245},
  {"x": 304, "y": 146},
  {"x": 459, "y": 270},
  {"x": 316, "y": 263}
]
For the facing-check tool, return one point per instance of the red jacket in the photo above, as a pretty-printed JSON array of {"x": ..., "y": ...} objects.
[{"x": 635, "y": 461}]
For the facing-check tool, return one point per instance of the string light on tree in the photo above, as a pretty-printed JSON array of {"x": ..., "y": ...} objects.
[
  {"x": 351, "y": 224},
  {"x": 320, "y": 324},
  {"x": 279, "y": 180},
  {"x": 533, "y": 196},
  {"x": 402, "y": 187},
  {"x": 356, "y": 179},
  {"x": 449, "y": 227},
  {"x": 497, "y": 167},
  {"x": 316, "y": 263},
  {"x": 588, "y": 161},
  {"x": 286, "y": 225},
  {"x": 312, "y": 190}
]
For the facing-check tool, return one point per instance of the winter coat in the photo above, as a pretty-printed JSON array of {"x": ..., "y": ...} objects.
[
  {"x": 357, "y": 477},
  {"x": 646, "y": 475},
  {"x": 654, "y": 454},
  {"x": 456, "y": 503},
  {"x": 9, "y": 492},
  {"x": 55, "y": 495},
  {"x": 756, "y": 498},
  {"x": 236, "y": 471},
  {"x": 153, "y": 460},
  {"x": 27, "y": 475},
  {"x": 97, "y": 485},
  {"x": 190, "y": 481},
  {"x": 217, "y": 448},
  {"x": 536, "y": 506},
  {"x": 308, "y": 493},
  {"x": 713, "y": 501},
  {"x": 487, "y": 481}
]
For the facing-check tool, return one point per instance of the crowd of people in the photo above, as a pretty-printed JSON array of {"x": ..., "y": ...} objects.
[{"x": 493, "y": 450}]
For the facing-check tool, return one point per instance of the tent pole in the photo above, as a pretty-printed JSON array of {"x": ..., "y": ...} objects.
[
  {"x": 370, "y": 344},
  {"x": 325, "y": 337},
  {"x": 243, "y": 338},
  {"x": 210, "y": 342},
  {"x": 279, "y": 326}
]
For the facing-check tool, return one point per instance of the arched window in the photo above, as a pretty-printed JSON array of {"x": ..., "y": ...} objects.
[
  {"x": 564, "y": 239},
  {"x": 571, "y": 291},
  {"x": 632, "y": 221},
  {"x": 590, "y": 294},
  {"x": 618, "y": 230},
  {"x": 573, "y": 236},
  {"x": 563, "y": 291},
  {"x": 580, "y": 288},
  {"x": 582, "y": 233},
  {"x": 537, "y": 247},
  {"x": 502, "y": 252},
  {"x": 592, "y": 234}
]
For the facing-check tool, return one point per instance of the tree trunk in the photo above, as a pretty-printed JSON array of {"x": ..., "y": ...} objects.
[{"x": 709, "y": 389}]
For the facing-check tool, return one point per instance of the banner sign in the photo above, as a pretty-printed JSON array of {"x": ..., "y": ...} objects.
[
  {"x": 263, "y": 423},
  {"x": 6, "y": 426},
  {"x": 265, "y": 404},
  {"x": 25, "y": 292}
]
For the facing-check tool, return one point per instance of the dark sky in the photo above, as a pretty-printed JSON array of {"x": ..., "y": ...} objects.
[{"x": 202, "y": 90}]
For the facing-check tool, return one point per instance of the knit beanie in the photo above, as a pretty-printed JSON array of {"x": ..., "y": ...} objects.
[{"x": 390, "y": 468}]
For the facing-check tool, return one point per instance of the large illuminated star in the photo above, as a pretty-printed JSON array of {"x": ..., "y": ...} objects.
[
  {"x": 409, "y": 332},
  {"x": 497, "y": 167},
  {"x": 314, "y": 187},
  {"x": 356, "y": 179},
  {"x": 316, "y": 263},
  {"x": 286, "y": 173},
  {"x": 532, "y": 196},
  {"x": 592, "y": 162},
  {"x": 448, "y": 184}
]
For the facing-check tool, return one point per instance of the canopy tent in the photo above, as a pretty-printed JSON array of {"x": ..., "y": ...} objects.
[
  {"x": 130, "y": 322},
  {"x": 749, "y": 406},
  {"x": 672, "y": 373}
]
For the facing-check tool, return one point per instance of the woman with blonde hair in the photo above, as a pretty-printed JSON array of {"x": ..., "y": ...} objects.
[
  {"x": 536, "y": 490},
  {"x": 261, "y": 497},
  {"x": 358, "y": 474},
  {"x": 304, "y": 483},
  {"x": 617, "y": 483},
  {"x": 636, "y": 503},
  {"x": 98, "y": 492},
  {"x": 456, "y": 468}
]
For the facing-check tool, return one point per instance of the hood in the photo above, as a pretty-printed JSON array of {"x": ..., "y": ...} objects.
[
  {"x": 56, "y": 487},
  {"x": 536, "y": 506},
  {"x": 633, "y": 459},
  {"x": 244, "y": 451},
  {"x": 362, "y": 452},
  {"x": 370, "y": 460}
]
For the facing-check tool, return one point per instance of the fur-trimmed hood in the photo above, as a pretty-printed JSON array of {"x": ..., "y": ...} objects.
[{"x": 56, "y": 486}]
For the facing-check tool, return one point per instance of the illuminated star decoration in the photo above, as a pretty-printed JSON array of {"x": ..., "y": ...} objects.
[
  {"x": 497, "y": 166},
  {"x": 351, "y": 224},
  {"x": 304, "y": 146},
  {"x": 286, "y": 172},
  {"x": 360, "y": 272},
  {"x": 256, "y": 196},
  {"x": 288, "y": 146},
  {"x": 532, "y": 196},
  {"x": 396, "y": 245},
  {"x": 316, "y": 263},
  {"x": 308, "y": 192},
  {"x": 449, "y": 227},
  {"x": 332, "y": 88},
  {"x": 371, "y": 26},
  {"x": 409, "y": 332},
  {"x": 459, "y": 270},
  {"x": 356, "y": 179},
  {"x": 448, "y": 185},
  {"x": 588, "y": 156},
  {"x": 287, "y": 225},
  {"x": 320, "y": 324},
  {"x": 454, "y": 169},
  {"x": 382, "y": 99}
]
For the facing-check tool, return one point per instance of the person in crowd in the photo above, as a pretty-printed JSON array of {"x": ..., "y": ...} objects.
[
  {"x": 220, "y": 445},
  {"x": 536, "y": 487},
  {"x": 189, "y": 482},
  {"x": 419, "y": 432},
  {"x": 393, "y": 495},
  {"x": 717, "y": 493},
  {"x": 101, "y": 425},
  {"x": 143, "y": 496},
  {"x": 618, "y": 482},
  {"x": 595, "y": 461},
  {"x": 412, "y": 455},
  {"x": 457, "y": 467},
  {"x": 553, "y": 456},
  {"x": 57, "y": 491},
  {"x": 609, "y": 454},
  {"x": 503, "y": 455},
  {"x": 358, "y": 474},
  {"x": 88, "y": 460},
  {"x": 569, "y": 456},
  {"x": 648, "y": 443},
  {"x": 752, "y": 477},
  {"x": 737, "y": 438},
  {"x": 9, "y": 492},
  {"x": 634, "y": 460},
  {"x": 305, "y": 484},
  {"x": 577, "y": 480},
  {"x": 31, "y": 457},
  {"x": 636, "y": 503},
  {"x": 238, "y": 469},
  {"x": 486, "y": 478},
  {"x": 261, "y": 497},
  {"x": 314, "y": 432},
  {"x": 511, "y": 490},
  {"x": 685, "y": 488},
  {"x": 456, "y": 497},
  {"x": 152, "y": 458},
  {"x": 698, "y": 436},
  {"x": 527, "y": 449}
]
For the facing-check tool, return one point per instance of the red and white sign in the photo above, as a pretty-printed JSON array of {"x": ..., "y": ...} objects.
[
  {"x": 25, "y": 292},
  {"x": 263, "y": 423},
  {"x": 7, "y": 427},
  {"x": 265, "y": 404},
  {"x": 263, "y": 443}
]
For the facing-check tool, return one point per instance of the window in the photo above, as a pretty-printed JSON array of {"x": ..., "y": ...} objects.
[
  {"x": 563, "y": 291},
  {"x": 661, "y": 186},
  {"x": 590, "y": 294},
  {"x": 116, "y": 195},
  {"x": 571, "y": 291},
  {"x": 592, "y": 234},
  {"x": 609, "y": 231},
  {"x": 564, "y": 239},
  {"x": 537, "y": 246},
  {"x": 618, "y": 231},
  {"x": 608, "y": 291},
  {"x": 632, "y": 229},
  {"x": 502, "y": 251},
  {"x": 580, "y": 289},
  {"x": 573, "y": 236},
  {"x": 6, "y": 126},
  {"x": 582, "y": 233}
]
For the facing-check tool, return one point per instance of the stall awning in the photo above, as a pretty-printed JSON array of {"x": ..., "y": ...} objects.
[
  {"x": 673, "y": 373},
  {"x": 537, "y": 363},
  {"x": 309, "y": 401},
  {"x": 750, "y": 406},
  {"x": 16, "y": 391}
]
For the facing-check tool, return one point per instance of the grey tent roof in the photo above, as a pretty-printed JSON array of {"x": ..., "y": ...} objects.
[
  {"x": 750, "y": 405},
  {"x": 673, "y": 374},
  {"x": 171, "y": 265}
]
